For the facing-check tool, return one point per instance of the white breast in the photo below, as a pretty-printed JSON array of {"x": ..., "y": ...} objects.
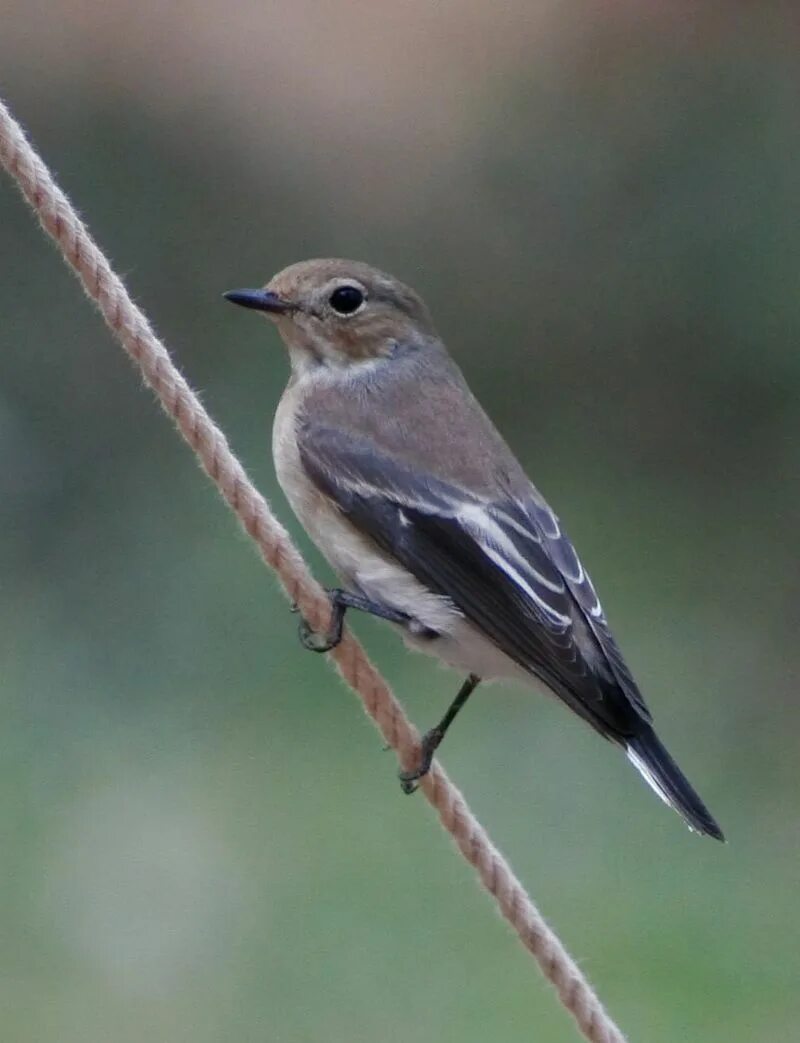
[{"x": 355, "y": 558}]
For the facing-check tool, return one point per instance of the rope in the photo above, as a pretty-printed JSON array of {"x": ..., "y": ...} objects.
[{"x": 131, "y": 328}]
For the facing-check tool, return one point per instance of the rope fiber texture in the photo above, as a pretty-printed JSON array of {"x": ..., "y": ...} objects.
[{"x": 131, "y": 328}]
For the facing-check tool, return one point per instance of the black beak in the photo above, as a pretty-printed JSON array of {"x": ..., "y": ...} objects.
[{"x": 260, "y": 300}]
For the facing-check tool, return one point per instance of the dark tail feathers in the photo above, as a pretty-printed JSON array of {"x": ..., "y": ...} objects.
[{"x": 660, "y": 771}]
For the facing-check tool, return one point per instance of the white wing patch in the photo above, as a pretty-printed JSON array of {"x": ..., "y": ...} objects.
[
  {"x": 499, "y": 548},
  {"x": 557, "y": 617},
  {"x": 564, "y": 556}
]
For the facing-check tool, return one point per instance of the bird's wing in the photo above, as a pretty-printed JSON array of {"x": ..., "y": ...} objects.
[
  {"x": 564, "y": 557},
  {"x": 503, "y": 563}
]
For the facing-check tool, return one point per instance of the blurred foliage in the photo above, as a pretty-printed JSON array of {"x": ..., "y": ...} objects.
[{"x": 203, "y": 840}]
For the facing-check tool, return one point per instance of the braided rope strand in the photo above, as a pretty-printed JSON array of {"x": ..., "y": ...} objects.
[{"x": 129, "y": 325}]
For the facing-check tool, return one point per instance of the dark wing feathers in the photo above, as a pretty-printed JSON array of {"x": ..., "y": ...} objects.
[
  {"x": 567, "y": 562},
  {"x": 505, "y": 565},
  {"x": 450, "y": 561}
]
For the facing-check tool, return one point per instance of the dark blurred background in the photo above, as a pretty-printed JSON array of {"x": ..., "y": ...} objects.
[{"x": 201, "y": 838}]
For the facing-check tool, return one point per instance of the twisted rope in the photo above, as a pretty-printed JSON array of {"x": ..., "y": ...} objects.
[{"x": 132, "y": 329}]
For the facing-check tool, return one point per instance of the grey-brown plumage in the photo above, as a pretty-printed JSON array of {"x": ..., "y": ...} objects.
[{"x": 419, "y": 504}]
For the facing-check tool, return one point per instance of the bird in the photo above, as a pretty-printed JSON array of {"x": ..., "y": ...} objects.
[{"x": 429, "y": 520}]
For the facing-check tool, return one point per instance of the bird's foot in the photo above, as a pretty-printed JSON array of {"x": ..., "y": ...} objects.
[
  {"x": 313, "y": 641},
  {"x": 409, "y": 780}
]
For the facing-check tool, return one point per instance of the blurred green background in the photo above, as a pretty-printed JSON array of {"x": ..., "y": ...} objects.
[{"x": 201, "y": 838}]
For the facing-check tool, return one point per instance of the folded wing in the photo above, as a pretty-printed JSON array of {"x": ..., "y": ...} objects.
[{"x": 503, "y": 562}]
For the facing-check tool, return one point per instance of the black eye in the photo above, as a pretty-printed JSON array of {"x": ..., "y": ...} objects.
[{"x": 346, "y": 299}]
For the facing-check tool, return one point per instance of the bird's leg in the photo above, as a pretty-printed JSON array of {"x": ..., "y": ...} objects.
[
  {"x": 341, "y": 600},
  {"x": 432, "y": 739}
]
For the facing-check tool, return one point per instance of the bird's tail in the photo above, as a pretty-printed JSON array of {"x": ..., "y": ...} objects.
[{"x": 659, "y": 770}]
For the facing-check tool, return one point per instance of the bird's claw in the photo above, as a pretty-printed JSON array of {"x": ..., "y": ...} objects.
[
  {"x": 410, "y": 780},
  {"x": 311, "y": 640}
]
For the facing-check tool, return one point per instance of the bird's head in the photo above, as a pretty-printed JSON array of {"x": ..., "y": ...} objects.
[{"x": 339, "y": 313}]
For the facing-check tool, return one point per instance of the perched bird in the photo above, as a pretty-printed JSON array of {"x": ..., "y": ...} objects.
[{"x": 424, "y": 512}]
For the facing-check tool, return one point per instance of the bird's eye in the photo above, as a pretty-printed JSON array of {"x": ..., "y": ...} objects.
[{"x": 346, "y": 299}]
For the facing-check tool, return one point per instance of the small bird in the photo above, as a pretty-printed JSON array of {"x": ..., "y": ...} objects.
[{"x": 413, "y": 496}]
